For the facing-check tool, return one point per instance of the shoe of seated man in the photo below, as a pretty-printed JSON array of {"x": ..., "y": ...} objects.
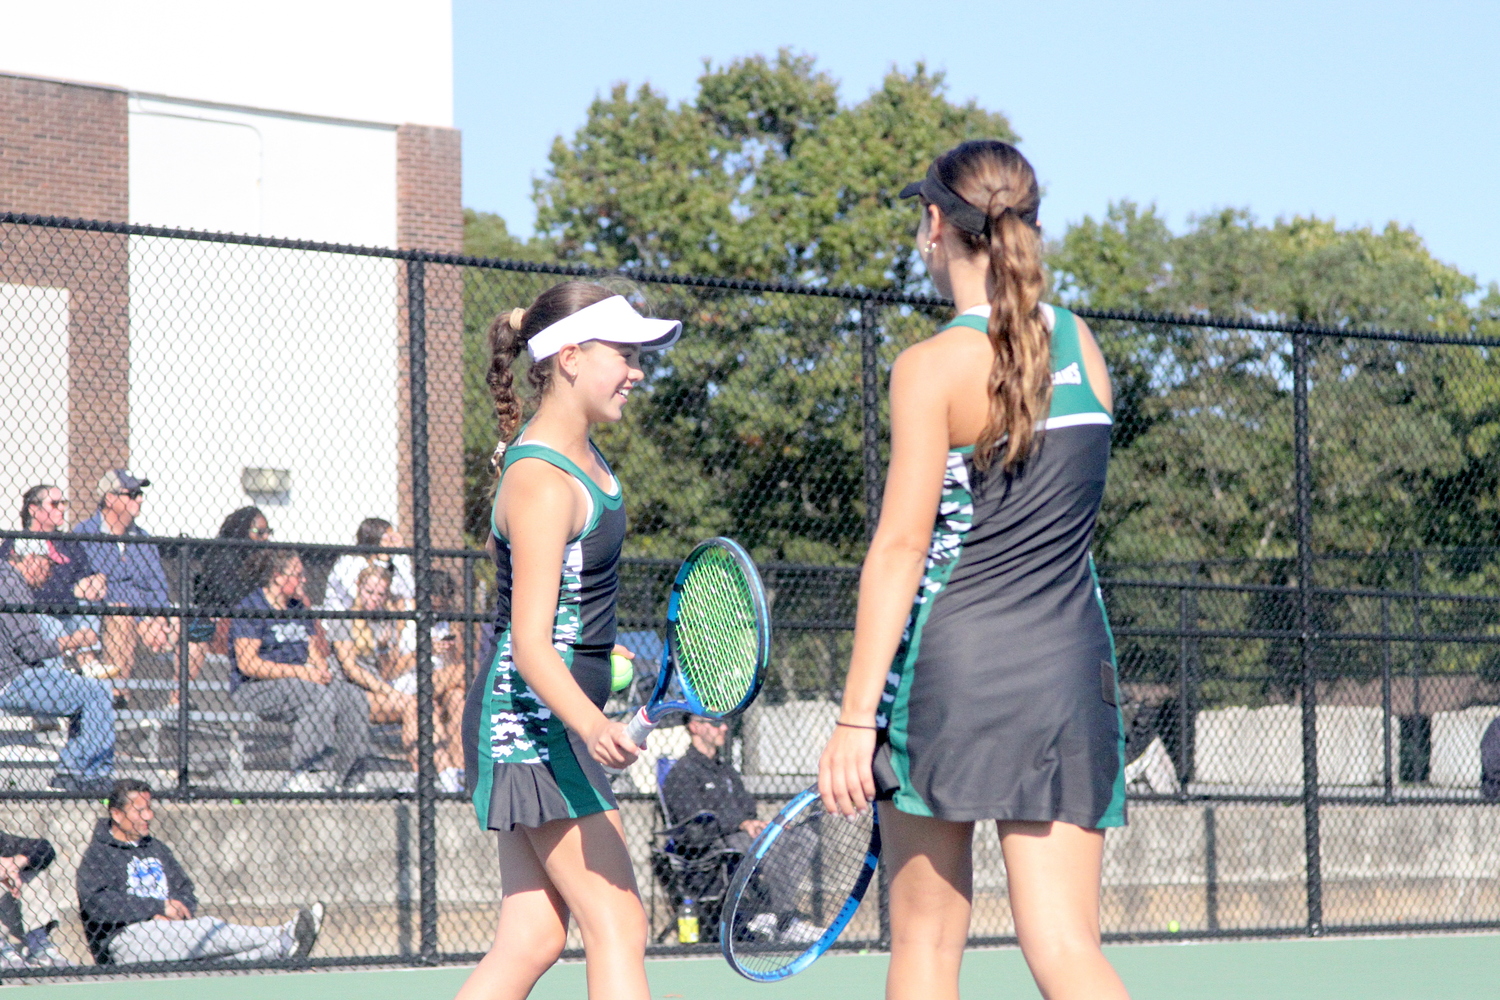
[
  {"x": 306, "y": 929},
  {"x": 41, "y": 951},
  {"x": 306, "y": 781},
  {"x": 801, "y": 931},
  {"x": 70, "y": 782},
  {"x": 762, "y": 925},
  {"x": 11, "y": 957}
]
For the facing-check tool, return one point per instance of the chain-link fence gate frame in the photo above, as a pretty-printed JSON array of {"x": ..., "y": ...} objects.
[{"x": 1248, "y": 663}]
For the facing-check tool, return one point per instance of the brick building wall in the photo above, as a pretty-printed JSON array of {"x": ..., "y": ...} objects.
[
  {"x": 63, "y": 151},
  {"x": 430, "y": 217}
]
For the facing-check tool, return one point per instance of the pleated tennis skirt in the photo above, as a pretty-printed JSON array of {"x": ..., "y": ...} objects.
[{"x": 528, "y": 767}]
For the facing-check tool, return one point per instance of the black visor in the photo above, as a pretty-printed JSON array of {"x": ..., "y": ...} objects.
[{"x": 959, "y": 212}]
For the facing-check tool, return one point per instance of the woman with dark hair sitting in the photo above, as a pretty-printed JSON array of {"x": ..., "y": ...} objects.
[
  {"x": 280, "y": 675},
  {"x": 225, "y": 576}
]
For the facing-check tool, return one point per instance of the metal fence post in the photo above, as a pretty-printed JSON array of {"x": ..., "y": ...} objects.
[
  {"x": 1187, "y": 682},
  {"x": 869, "y": 367},
  {"x": 1306, "y": 661},
  {"x": 184, "y": 655},
  {"x": 421, "y": 523},
  {"x": 1385, "y": 698}
]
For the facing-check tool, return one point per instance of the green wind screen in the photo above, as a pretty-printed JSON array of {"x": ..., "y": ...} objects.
[{"x": 718, "y": 647}]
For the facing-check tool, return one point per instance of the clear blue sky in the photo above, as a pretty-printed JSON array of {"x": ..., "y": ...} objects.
[{"x": 1364, "y": 112}]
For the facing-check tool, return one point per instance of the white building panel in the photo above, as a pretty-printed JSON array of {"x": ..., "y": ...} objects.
[
  {"x": 372, "y": 60},
  {"x": 33, "y": 391},
  {"x": 247, "y": 357}
]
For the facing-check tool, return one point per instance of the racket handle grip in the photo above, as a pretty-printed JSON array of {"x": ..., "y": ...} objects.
[{"x": 638, "y": 728}]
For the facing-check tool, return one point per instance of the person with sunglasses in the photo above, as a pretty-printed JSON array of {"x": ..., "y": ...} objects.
[
  {"x": 706, "y": 793},
  {"x": 133, "y": 572},
  {"x": 72, "y": 579}
]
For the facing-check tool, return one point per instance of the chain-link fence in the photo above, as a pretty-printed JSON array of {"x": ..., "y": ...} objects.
[{"x": 1300, "y": 552}]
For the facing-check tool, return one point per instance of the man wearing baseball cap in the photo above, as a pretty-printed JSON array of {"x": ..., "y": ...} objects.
[
  {"x": 132, "y": 571},
  {"x": 29, "y": 684}
]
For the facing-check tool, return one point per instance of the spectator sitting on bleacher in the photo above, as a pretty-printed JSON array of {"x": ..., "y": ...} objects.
[
  {"x": 280, "y": 675},
  {"x": 133, "y": 573},
  {"x": 449, "y": 687},
  {"x": 223, "y": 579},
  {"x": 343, "y": 579},
  {"x": 21, "y": 860},
  {"x": 371, "y": 655},
  {"x": 72, "y": 580},
  {"x": 28, "y": 684},
  {"x": 138, "y": 904}
]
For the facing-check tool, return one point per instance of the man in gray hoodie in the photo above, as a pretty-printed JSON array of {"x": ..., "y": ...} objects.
[
  {"x": 27, "y": 684},
  {"x": 138, "y": 905}
]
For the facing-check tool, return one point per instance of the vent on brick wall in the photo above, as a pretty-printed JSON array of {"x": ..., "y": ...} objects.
[{"x": 272, "y": 487}]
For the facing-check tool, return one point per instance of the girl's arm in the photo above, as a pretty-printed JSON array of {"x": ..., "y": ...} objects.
[
  {"x": 541, "y": 510},
  {"x": 353, "y": 672},
  {"x": 247, "y": 657},
  {"x": 892, "y": 570}
]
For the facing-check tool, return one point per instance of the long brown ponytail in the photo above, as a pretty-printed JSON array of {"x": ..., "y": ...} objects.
[
  {"x": 996, "y": 178},
  {"x": 508, "y": 336}
]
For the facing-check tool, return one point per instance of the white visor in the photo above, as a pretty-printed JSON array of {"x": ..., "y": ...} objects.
[{"x": 612, "y": 320}]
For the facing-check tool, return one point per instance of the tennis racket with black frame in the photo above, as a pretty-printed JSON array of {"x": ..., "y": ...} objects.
[
  {"x": 718, "y": 639},
  {"x": 797, "y": 888}
]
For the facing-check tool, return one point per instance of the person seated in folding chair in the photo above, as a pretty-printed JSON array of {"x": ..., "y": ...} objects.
[{"x": 706, "y": 795}]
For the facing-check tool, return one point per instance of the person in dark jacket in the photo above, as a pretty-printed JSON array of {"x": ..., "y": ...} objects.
[
  {"x": 1489, "y": 761},
  {"x": 133, "y": 573},
  {"x": 705, "y": 792},
  {"x": 705, "y": 781},
  {"x": 138, "y": 905},
  {"x": 21, "y": 860}
]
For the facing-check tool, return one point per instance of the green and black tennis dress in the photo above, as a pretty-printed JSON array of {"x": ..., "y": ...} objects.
[
  {"x": 1002, "y": 702},
  {"x": 528, "y": 767}
]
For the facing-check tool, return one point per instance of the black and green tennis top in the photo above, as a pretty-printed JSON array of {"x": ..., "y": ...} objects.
[
  {"x": 1001, "y": 702},
  {"x": 590, "y": 575}
]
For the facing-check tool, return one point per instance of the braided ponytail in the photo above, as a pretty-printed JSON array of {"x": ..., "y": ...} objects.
[
  {"x": 996, "y": 175},
  {"x": 508, "y": 336}
]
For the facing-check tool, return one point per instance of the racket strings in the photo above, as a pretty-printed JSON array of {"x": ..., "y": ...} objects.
[
  {"x": 718, "y": 631},
  {"x": 803, "y": 881}
]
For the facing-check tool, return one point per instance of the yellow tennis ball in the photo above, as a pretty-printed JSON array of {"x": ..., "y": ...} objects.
[
  {"x": 621, "y": 672},
  {"x": 1173, "y": 927}
]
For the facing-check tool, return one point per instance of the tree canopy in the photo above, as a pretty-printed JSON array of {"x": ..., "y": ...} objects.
[{"x": 751, "y": 426}]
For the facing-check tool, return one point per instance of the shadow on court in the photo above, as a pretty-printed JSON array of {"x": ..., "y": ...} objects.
[{"x": 1451, "y": 967}]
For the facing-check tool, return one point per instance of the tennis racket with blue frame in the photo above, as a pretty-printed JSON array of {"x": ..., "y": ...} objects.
[
  {"x": 817, "y": 866},
  {"x": 718, "y": 639}
]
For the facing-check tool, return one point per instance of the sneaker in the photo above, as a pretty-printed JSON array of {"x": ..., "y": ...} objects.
[
  {"x": 801, "y": 931},
  {"x": 70, "y": 782},
  {"x": 304, "y": 781},
  {"x": 11, "y": 957},
  {"x": 41, "y": 951},
  {"x": 451, "y": 779},
  {"x": 762, "y": 925},
  {"x": 305, "y": 934}
]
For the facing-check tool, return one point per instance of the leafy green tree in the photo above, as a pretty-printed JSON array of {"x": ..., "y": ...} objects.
[
  {"x": 1401, "y": 442},
  {"x": 751, "y": 426}
]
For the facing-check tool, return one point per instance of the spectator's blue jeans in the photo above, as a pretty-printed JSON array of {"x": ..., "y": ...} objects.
[{"x": 90, "y": 750}]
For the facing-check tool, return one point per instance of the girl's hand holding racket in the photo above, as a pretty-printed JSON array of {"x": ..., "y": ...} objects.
[
  {"x": 846, "y": 781},
  {"x": 609, "y": 744}
]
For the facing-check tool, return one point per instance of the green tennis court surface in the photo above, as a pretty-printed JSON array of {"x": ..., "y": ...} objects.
[{"x": 1448, "y": 967}]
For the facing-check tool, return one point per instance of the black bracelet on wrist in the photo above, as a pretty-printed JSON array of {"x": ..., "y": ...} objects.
[{"x": 850, "y": 725}]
